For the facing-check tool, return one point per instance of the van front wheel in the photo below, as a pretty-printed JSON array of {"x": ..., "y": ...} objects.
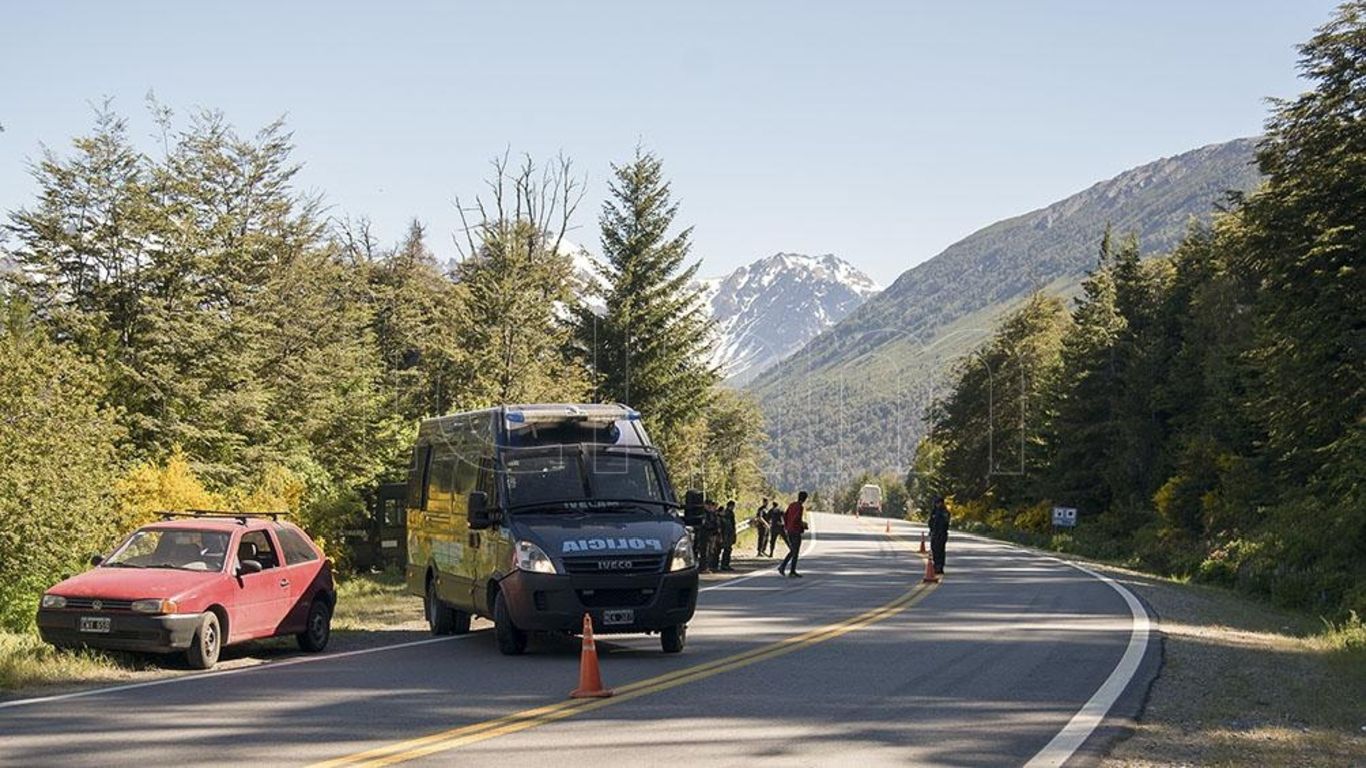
[
  {"x": 672, "y": 639},
  {"x": 511, "y": 640}
]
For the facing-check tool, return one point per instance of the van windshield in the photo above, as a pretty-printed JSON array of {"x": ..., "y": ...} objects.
[{"x": 548, "y": 478}]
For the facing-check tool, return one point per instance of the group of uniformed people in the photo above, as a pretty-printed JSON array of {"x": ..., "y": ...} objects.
[{"x": 714, "y": 532}]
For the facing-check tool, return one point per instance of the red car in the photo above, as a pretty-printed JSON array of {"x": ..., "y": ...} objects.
[{"x": 196, "y": 584}]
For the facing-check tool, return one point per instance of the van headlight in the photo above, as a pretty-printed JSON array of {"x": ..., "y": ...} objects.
[
  {"x": 54, "y": 601},
  {"x": 531, "y": 558},
  {"x": 683, "y": 557}
]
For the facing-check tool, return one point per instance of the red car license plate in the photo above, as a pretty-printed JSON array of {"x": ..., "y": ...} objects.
[{"x": 94, "y": 624}]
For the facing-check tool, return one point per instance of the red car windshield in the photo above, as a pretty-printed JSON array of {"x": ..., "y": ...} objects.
[{"x": 187, "y": 550}]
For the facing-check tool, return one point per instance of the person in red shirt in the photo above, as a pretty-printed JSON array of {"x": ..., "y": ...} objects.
[{"x": 793, "y": 528}]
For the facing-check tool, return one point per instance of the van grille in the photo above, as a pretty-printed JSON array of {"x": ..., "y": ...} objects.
[
  {"x": 619, "y": 564},
  {"x": 615, "y": 598}
]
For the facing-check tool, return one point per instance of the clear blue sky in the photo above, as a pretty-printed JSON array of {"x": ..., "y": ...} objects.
[{"x": 879, "y": 131}]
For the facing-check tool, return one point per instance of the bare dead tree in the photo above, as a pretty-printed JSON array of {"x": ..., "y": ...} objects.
[{"x": 522, "y": 202}]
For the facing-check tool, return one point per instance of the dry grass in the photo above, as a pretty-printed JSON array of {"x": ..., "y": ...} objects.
[
  {"x": 1244, "y": 684},
  {"x": 27, "y": 662},
  {"x": 374, "y": 602}
]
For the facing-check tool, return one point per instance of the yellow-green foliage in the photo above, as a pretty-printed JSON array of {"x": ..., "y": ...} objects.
[{"x": 150, "y": 487}]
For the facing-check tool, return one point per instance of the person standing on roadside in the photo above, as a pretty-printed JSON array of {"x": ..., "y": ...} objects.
[
  {"x": 939, "y": 532},
  {"x": 775, "y": 526},
  {"x": 727, "y": 535},
  {"x": 706, "y": 537},
  {"x": 793, "y": 528},
  {"x": 760, "y": 523}
]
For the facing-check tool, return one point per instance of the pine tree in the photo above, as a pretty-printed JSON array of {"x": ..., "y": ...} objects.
[
  {"x": 650, "y": 346},
  {"x": 1081, "y": 434}
]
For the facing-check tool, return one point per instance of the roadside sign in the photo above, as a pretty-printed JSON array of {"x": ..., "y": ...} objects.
[{"x": 1064, "y": 517}]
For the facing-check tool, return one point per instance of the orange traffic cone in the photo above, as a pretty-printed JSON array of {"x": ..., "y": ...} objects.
[
  {"x": 590, "y": 679},
  {"x": 922, "y": 543},
  {"x": 930, "y": 576},
  {"x": 888, "y": 529}
]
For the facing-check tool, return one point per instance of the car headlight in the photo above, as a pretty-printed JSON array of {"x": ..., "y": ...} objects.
[
  {"x": 683, "y": 557},
  {"x": 54, "y": 601},
  {"x": 155, "y": 606},
  {"x": 529, "y": 557}
]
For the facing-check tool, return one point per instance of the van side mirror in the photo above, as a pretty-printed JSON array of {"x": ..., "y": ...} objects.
[
  {"x": 248, "y": 566},
  {"x": 96, "y": 559},
  {"x": 480, "y": 516}
]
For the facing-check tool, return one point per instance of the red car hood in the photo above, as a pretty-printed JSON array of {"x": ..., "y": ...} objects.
[{"x": 133, "y": 583}]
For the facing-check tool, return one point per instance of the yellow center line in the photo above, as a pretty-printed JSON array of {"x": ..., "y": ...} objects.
[{"x": 443, "y": 741}]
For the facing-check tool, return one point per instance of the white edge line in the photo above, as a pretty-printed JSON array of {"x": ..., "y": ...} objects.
[
  {"x": 223, "y": 672},
  {"x": 1093, "y": 712}
]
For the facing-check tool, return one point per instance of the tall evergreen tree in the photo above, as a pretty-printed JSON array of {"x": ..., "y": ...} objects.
[
  {"x": 650, "y": 347},
  {"x": 1081, "y": 434}
]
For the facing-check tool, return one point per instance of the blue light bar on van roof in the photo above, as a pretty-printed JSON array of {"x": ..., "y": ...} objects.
[{"x": 550, "y": 413}]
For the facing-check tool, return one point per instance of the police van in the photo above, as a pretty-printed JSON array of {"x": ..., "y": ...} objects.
[{"x": 534, "y": 515}]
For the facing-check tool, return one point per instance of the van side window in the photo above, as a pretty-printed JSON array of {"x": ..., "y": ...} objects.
[
  {"x": 417, "y": 477},
  {"x": 439, "y": 481}
]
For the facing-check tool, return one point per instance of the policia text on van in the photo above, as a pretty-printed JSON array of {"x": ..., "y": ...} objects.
[{"x": 534, "y": 515}]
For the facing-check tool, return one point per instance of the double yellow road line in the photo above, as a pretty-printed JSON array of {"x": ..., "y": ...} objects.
[{"x": 444, "y": 741}]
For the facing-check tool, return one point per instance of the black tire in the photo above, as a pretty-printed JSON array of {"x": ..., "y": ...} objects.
[
  {"x": 207, "y": 642},
  {"x": 317, "y": 628},
  {"x": 460, "y": 622},
  {"x": 672, "y": 639},
  {"x": 511, "y": 640},
  {"x": 440, "y": 618}
]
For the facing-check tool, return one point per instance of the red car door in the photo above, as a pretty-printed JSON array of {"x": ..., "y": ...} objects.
[
  {"x": 303, "y": 567},
  {"x": 263, "y": 599}
]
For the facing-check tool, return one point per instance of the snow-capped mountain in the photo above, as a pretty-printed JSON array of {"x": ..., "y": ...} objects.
[{"x": 769, "y": 309}]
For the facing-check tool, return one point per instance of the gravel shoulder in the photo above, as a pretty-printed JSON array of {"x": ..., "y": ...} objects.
[{"x": 1243, "y": 684}]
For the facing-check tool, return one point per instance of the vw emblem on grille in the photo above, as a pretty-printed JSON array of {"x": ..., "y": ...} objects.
[
  {"x": 614, "y": 565},
  {"x": 96, "y": 604}
]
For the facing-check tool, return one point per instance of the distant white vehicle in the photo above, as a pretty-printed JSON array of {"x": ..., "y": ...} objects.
[{"x": 870, "y": 499}]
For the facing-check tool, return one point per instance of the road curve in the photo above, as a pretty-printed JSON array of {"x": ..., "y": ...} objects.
[{"x": 1015, "y": 657}]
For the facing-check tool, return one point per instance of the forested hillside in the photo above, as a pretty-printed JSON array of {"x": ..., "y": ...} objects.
[
  {"x": 1204, "y": 411},
  {"x": 854, "y": 398}
]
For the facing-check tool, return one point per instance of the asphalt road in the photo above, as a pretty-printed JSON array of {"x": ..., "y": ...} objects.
[{"x": 1015, "y": 657}]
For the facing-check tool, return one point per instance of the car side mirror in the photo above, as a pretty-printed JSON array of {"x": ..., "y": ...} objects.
[
  {"x": 479, "y": 514},
  {"x": 248, "y": 566},
  {"x": 96, "y": 559}
]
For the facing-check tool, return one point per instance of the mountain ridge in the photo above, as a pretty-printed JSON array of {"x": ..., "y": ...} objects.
[{"x": 887, "y": 356}]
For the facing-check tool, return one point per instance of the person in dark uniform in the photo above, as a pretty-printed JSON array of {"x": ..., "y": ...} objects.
[
  {"x": 939, "y": 532},
  {"x": 793, "y": 528},
  {"x": 701, "y": 535},
  {"x": 775, "y": 526},
  {"x": 711, "y": 524},
  {"x": 760, "y": 523},
  {"x": 726, "y": 537}
]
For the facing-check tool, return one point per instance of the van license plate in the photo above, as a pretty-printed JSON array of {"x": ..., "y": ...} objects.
[
  {"x": 94, "y": 624},
  {"x": 619, "y": 617}
]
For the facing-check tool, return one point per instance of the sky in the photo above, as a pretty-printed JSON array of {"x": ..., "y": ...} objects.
[{"x": 881, "y": 132}]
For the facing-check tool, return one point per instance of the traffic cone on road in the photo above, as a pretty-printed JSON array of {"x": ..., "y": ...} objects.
[
  {"x": 930, "y": 576},
  {"x": 922, "y": 543},
  {"x": 590, "y": 678}
]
